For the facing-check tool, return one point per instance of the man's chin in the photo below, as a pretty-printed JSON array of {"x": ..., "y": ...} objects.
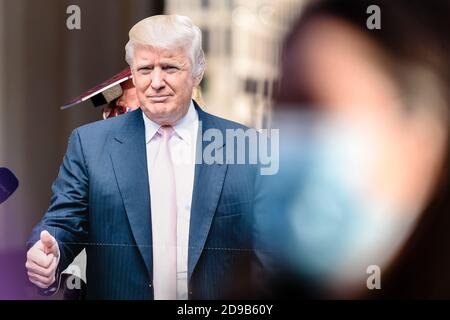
[
  {"x": 159, "y": 109},
  {"x": 162, "y": 115}
]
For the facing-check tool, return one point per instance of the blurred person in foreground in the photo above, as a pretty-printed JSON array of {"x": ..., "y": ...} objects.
[{"x": 364, "y": 128}]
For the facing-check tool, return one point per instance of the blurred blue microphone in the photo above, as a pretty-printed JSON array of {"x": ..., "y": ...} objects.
[{"x": 8, "y": 184}]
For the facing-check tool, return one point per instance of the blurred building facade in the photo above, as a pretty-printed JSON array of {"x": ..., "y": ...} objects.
[{"x": 241, "y": 40}]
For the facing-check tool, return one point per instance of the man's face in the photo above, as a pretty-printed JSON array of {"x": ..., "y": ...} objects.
[{"x": 164, "y": 83}]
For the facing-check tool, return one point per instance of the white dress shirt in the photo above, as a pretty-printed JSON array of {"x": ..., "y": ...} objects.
[{"x": 182, "y": 147}]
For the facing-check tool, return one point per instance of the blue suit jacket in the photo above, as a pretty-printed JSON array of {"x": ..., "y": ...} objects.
[{"x": 101, "y": 202}]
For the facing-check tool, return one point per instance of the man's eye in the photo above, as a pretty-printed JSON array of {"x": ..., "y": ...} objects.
[
  {"x": 145, "y": 70},
  {"x": 170, "y": 68}
]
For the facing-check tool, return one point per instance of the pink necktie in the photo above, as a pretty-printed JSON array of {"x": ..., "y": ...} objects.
[{"x": 164, "y": 220}]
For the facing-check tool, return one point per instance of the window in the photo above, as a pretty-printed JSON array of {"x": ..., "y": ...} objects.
[
  {"x": 205, "y": 4},
  {"x": 266, "y": 88},
  {"x": 206, "y": 41},
  {"x": 229, "y": 4},
  {"x": 228, "y": 44},
  {"x": 251, "y": 86}
]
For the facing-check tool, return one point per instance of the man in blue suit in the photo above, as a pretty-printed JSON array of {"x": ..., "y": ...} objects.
[{"x": 157, "y": 221}]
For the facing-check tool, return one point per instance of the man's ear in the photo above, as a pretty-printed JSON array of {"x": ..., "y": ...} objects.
[{"x": 197, "y": 80}]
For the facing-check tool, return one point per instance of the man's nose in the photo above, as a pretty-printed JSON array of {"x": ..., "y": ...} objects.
[{"x": 157, "y": 79}]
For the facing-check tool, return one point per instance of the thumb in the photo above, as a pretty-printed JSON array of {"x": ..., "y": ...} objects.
[{"x": 48, "y": 241}]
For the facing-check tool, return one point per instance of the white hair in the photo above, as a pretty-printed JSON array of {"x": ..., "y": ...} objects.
[{"x": 169, "y": 32}]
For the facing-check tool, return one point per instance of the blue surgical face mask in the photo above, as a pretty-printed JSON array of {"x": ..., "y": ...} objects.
[{"x": 318, "y": 218}]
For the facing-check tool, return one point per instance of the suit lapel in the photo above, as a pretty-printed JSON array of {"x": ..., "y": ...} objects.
[
  {"x": 129, "y": 160},
  {"x": 208, "y": 182}
]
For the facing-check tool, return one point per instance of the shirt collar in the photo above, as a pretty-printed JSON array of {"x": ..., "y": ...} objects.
[{"x": 185, "y": 128}]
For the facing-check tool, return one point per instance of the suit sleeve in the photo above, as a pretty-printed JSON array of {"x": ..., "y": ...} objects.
[{"x": 67, "y": 216}]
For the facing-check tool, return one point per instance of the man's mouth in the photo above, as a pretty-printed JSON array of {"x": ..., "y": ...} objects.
[{"x": 161, "y": 98}]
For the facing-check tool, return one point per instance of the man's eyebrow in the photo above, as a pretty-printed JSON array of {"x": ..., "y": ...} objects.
[
  {"x": 178, "y": 63},
  {"x": 173, "y": 62},
  {"x": 143, "y": 65}
]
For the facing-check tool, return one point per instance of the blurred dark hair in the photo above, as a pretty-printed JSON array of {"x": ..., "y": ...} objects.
[{"x": 413, "y": 34}]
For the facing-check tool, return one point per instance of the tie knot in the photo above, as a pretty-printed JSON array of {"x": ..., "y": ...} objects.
[{"x": 166, "y": 132}]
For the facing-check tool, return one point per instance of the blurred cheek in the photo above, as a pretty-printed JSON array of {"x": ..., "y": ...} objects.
[{"x": 407, "y": 161}]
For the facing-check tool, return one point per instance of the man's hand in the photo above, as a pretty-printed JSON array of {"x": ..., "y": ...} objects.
[{"x": 42, "y": 261}]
